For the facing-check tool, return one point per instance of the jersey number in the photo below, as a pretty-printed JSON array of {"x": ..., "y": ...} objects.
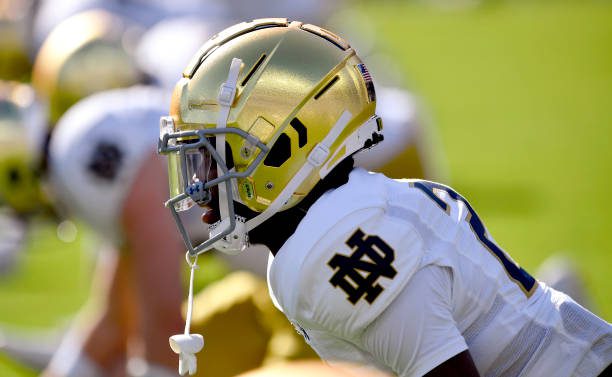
[{"x": 525, "y": 281}]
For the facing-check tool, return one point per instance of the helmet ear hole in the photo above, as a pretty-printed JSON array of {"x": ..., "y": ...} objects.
[{"x": 280, "y": 152}]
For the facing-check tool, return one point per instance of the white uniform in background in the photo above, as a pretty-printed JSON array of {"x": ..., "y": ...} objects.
[
  {"x": 95, "y": 153},
  {"x": 94, "y": 156},
  {"x": 402, "y": 274}
]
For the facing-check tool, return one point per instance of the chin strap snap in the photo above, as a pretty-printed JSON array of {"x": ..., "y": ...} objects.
[{"x": 186, "y": 345}]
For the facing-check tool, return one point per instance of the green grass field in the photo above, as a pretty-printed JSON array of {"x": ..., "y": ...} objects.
[{"x": 521, "y": 95}]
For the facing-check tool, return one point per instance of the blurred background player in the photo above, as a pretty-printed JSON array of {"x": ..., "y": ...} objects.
[
  {"x": 121, "y": 308},
  {"x": 96, "y": 178},
  {"x": 85, "y": 54},
  {"x": 22, "y": 136}
]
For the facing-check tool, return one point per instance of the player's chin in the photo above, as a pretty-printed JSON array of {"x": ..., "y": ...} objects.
[{"x": 210, "y": 216}]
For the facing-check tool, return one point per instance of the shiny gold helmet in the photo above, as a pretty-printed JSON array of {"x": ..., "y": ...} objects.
[
  {"x": 85, "y": 54},
  {"x": 274, "y": 106},
  {"x": 22, "y": 135}
]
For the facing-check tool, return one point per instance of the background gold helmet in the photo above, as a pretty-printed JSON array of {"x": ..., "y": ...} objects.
[
  {"x": 85, "y": 54},
  {"x": 22, "y": 134},
  {"x": 15, "y": 38},
  {"x": 277, "y": 105}
]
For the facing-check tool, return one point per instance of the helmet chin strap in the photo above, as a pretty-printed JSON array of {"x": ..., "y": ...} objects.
[
  {"x": 236, "y": 241},
  {"x": 227, "y": 94}
]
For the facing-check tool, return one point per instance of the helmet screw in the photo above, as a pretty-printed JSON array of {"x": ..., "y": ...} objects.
[
  {"x": 269, "y": 185},
  {"x": 245, "y": 152}
]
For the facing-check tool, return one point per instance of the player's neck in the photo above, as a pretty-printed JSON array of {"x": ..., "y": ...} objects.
[{"x": 275, "y": 231}]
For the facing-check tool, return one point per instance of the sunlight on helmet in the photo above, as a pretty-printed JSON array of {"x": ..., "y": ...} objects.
[{"x": 85, "y": 54}]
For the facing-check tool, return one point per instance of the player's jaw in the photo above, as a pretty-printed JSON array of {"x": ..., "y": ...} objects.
[
  {"x": 211, "y": 215},
  {"x": 211, "y": 209}
]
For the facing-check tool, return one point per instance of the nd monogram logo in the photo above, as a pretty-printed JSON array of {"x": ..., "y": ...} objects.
[{"x": 357, "y": 275}]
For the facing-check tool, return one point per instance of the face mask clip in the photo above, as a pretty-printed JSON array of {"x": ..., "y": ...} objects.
[
  {"x": 236, "y": 241},
  {"x": 200, "y": 195}
]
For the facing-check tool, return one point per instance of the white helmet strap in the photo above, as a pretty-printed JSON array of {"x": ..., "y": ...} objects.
[{"x": 227, "y": 94}]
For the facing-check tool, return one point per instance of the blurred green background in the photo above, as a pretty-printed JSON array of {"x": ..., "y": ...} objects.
[{"x": 521, "y": 95}]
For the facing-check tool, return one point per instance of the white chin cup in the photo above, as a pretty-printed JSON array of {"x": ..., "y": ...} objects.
[
  {"x": 186, "y": 346},
  {"x": 233, "y": 243}
]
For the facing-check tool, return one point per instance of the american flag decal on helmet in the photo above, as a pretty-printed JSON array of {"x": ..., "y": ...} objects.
[{"x": 368, "y": 81}]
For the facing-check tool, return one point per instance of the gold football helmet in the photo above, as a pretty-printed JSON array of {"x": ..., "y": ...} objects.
[
  {"x": 22, "y": 135},
  {"x": 85, "y": 54},
  {"x": 274, "y": 106}
]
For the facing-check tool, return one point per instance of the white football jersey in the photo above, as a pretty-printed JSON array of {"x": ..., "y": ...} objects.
[
  {"x": 402, "y": 275},
  {"x": 96, "y": 150}
]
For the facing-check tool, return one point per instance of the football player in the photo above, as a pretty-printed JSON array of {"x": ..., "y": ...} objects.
[
  {"x": 401, "y": 275},
  {"x": 94, "y": 177},
  {"x": 22, "y": 134},
  {"x": 409, "y": 145},
  {"x": 83, "y": 55}
]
